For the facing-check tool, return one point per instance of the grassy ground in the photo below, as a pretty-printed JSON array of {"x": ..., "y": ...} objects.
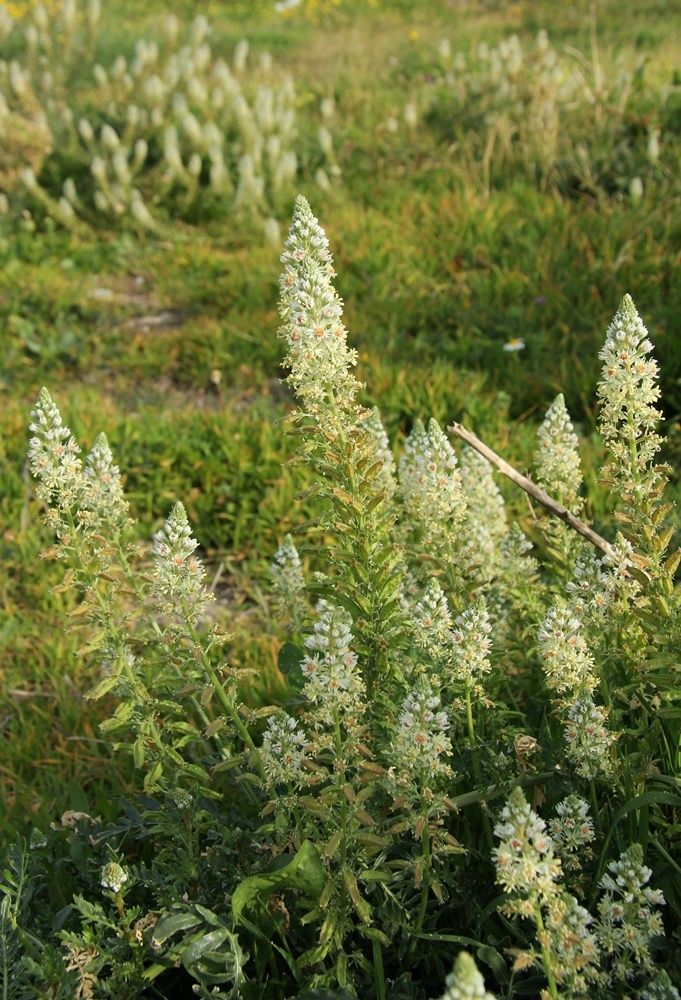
[{"x": 170, "y": 345}]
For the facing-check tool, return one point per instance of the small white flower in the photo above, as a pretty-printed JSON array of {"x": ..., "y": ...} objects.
[{"x": 515, "y": 344}]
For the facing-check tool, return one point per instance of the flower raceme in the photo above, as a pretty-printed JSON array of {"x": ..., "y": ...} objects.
[
  {"x": 319, "y": 358},
  {"x": 628, "y": 392},
  {"x": 430, "y": 481},
  {"x": 179, "y": 575},
  {"x": 557, "y": 460}
]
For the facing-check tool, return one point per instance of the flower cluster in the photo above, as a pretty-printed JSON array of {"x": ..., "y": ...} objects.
[
  {"x": 431, "y": 621},
  {"x": 104, "y": 487},
  {"x": 319, "y": 358},
  {"x": 627, "y": 922},
  {"x": 79, "y": 497},
  {"x": 572, "y": 830},
  {"x": 471, "y": 645},
  {"x": 287, "y": 572},
  {"x": 525, "y": 857},
  {"x": 465, "y": 982},
  {"x": 333, "y": 683},
  {"x": 628, "y": 392},
  {"x": 430, "y": 481},
  {"x": 591, "y": 587},
  {"x": 420, "y": 744},
  {"x": 53, "y": 456},
  {"x": 113, "y": 877},
  {"x": 528, "y": 870},
  {"x": 283, "y": 752},
  {"x": 588, "y": 740},
  {"x": 557, "y": 459},
  {"x": 568, "y": 664},
  {"x": 178, "y": 576},
  {"x": 486, "y": 514}
]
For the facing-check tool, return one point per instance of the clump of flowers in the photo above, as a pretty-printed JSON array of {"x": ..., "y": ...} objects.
[
  {"x": 431, "y": 484},
  {"x": 572, "y": 830},
  {"x": 568, "y": 664},
  {"x": 284, "y": 753},
  {"x": 627, "y": 921},
  {"x": 319, "y": 358},
  {"x": 333, "y": 684},
  {"x": 529, "y": 872},
  {"x": 588, "y": 740},
  {"x": 178, "y": 574},
  {"x": 465, "y": 981},
  {"x": 174, "y": 130},
  {"x": 557, "y": 460}
]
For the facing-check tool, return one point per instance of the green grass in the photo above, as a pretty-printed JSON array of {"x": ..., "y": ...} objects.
[{"x": 437, "y": 274}]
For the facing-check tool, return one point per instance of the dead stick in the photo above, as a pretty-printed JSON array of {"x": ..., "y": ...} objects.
[{"x": 551, "y": 505}]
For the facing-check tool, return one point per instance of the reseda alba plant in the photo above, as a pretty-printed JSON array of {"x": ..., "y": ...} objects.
[{"x": 478, "y": 746}]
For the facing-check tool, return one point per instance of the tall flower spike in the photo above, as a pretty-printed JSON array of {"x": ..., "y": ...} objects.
[
  {"x": 557, "y": 458},
  {"x": 54, "y": 456},
  {"x": 287, "y": 571},
  {"x": 431, "y": 480},
  {"x": 628, "y": 922},
  {"x": 589, "y": 741},
  {"x": 421, "y": 743},
  {"x": 333, "y": 682},
  {"x": 465, "y": 982},
  {"x": 627, "y": 392},
  {"x": 471, "y": 644},
  {"x": 319, "y": 359},
  {"x": 105, "y": 490},
  {"x": 178, "y": 573},
  {"x": 486, "y": 519},
  {"x": 568, "y": 664},
  {"x": 283, "y": 752}
]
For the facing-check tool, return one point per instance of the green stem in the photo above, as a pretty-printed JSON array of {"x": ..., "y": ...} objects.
[
  {"x": 340, "y": 757},
  {"x": 223, "y": 698},
  {"x": 425, "y": 884},
  {"x": 476, "y": 765},
  {"x": 379, "y": 975},
  {"x": 546, "y": 956}
]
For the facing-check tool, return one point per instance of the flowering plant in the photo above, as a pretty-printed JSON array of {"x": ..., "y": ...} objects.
[{"x": 449, "y": 727}]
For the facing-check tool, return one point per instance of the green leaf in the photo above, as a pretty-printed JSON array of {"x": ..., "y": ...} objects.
[
  {"x": 304, "y": 873},
  {"x": 174, "y": 922},
  {"x": 289, "y": 659}
]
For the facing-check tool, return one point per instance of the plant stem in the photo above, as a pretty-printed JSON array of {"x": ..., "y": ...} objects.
[
  {"x": 546, "y": 956},
  {"x": 425, "y": 885},
  {"x": 476, "y": 765},
  {"x": 379, "y": 975}
]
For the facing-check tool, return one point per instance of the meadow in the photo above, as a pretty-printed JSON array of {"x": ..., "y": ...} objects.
[{"x": 492, "y": 178}]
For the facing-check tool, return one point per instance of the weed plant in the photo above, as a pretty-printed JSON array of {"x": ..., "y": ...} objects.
[
  {"x": 476, "y": 746},
  {"x": 172, "y": 130}
]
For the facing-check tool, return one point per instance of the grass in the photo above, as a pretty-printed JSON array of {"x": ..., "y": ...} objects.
[{"x": 170, "y": 346}]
